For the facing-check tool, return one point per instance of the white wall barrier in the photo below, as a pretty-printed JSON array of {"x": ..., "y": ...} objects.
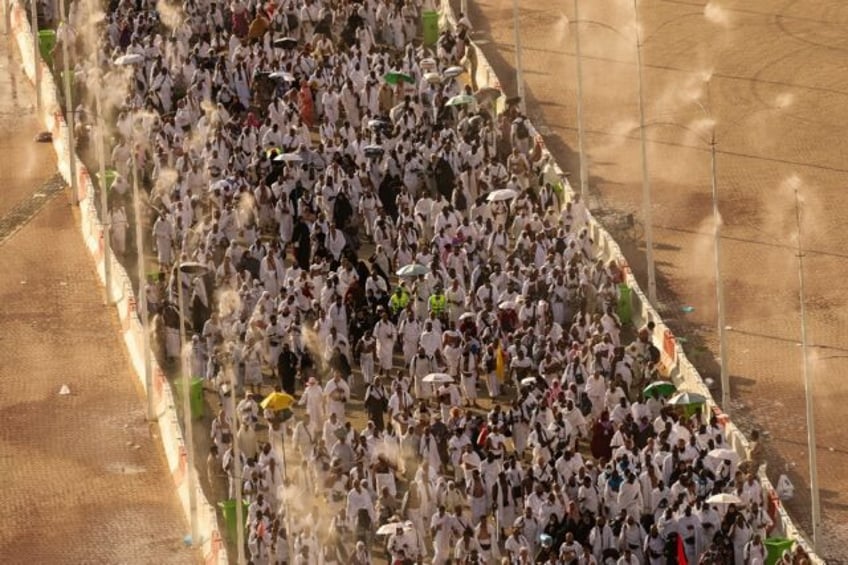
[
  {"x": 211, "y": 545},
  {"x": 675, "y": 363}
]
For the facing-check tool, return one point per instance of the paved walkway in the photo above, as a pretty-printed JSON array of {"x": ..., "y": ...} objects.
[{"x": 84, "y": 477}]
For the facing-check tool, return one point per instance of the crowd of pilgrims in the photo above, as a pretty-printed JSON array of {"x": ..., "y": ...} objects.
[{"x": 303, "y": 179}]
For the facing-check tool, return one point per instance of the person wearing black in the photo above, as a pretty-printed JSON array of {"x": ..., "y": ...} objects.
[
  {"x": 302, "y": 244},
  {"x": 287, "y": 365},
  {"x": 376, "y": 403}
]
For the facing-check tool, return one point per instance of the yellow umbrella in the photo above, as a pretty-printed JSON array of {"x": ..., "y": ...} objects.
[{"x": 277, "y": 401}]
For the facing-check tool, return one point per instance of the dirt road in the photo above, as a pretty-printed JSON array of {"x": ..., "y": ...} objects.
[
  {"x": 84, "y": 476},
  {"x": 772, "y": 76}
]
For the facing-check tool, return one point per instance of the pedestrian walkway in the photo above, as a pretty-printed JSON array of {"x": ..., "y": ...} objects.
[{"x": 85, "y": 480}]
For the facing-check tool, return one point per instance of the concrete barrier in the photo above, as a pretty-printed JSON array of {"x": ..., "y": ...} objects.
[
  {"x": 121, "y": 290},
  {"x": 676, "y": 365}
]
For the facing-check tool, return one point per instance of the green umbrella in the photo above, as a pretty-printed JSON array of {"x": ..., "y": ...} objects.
[
  {"x": 461, "y": 100},
  {"x": 660, "y": 388},
  {"x": 686, "y": 399},
  {"x": 394, "y": 77}
]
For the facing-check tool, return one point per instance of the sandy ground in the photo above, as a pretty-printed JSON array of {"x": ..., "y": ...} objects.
[
  {"x": 85, "y": 478},
  {"x": 771, "y": 74}
]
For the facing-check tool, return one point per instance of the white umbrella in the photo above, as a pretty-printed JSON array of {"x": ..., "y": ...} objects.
[
  {"x": 507, "y": 305},
  {"x": 288, "y": 158},
  {"x": 374, "y": 124},
  {"x": 716, "y": 456},
  {"x": 130, "y": 59},
  {"x": 288, "y": 77},
  {"x": 467, "y": 316},
  {"x": 392, "y": 527},
  {"x": 502, "y": 194},
  {"x": 452, "y": 72},
  {"x": 427, "y": 64},
  {"x": 411, "y": 271},
  {"x": 433, "y": 78},
  {"x": 437, "y": 378},
  {"x": 724, "y": 498},
  {"x": 529, "y": 381},
  {"x": 721, "y": 454},
  {"x": 395, "y": 112}
]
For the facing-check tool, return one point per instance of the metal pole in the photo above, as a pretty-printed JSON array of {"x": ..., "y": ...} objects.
[
  {"x": 722, "y": 332},
  {"x": 69, "y": 104},
  {"x": 36, "y": 55},
  {"x": 463, "y": 7},
  {"x": 808, "y": 385},
  {"x": 142, "y": 295},
  {"x": 104, "y": 197},
  {"x": 7, "y": 15},
  {"x": 519, "y": 70},
  {"x": 187, "y": 423},
  {"x": 646, "y": 181},
  {"x": 285, "y": 502},
  {"x": 581, "y": 132},
  {"x": 237, "y": 469}
]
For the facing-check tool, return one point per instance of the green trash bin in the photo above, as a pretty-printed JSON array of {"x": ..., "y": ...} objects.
[
  {"x": 625, "y": 305},
  {"x": 110, "y": 176},
  {"x": 46, "y": 43},
  {"x": 430, "y": 23},
  {"x": 195, "y": 397},
  {"x": 228, "y": 507},
  {"x": 775, "y": 548}
]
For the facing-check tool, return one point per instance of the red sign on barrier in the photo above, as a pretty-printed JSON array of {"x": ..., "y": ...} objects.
[
  {"x": 772, "y": 508},
  {"x": 180, "y": 471},
  {"x": 125, "y": 323},
  {"x": 670, "y": 346},
  {"x": 215, "y": 546},
  {"x": 82, "y": 184},
  {"x": 158, "y": 385},
  {"x": 99, "y": 254}
]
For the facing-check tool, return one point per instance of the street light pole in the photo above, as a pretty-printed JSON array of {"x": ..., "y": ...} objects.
[
  {"x": 717, "y": 220},
  {"x": 646, "y": 181},
  {"x": 519, "y": 70},
  {"x": 237, "y": 470},
  {"x": 808, "y": 384},
  {"x": 142, "y": 295},
  {"x": 7, "y": 16},
  {"x": 69, "y": 103},
  {"x": 104, "y": 197},
  {"x": 36, "y": 56},
  {"x": 722, "y": 331},
  {"x": 187, "y": 423},
  {"x": 581, "y": 132}
]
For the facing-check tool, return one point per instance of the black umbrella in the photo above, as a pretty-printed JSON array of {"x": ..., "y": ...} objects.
[
  {"x": 287, "y": 43},
  {"x": 373, "y": 151}
]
